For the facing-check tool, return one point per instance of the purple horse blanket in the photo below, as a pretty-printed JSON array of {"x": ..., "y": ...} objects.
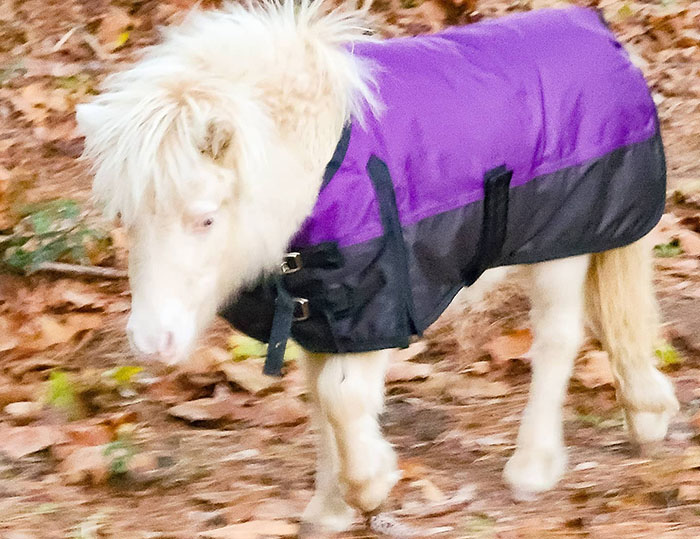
[{"x": 512, "y": 141}]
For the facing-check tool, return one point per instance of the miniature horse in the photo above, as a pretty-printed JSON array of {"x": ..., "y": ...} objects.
[{"x": 213, "y": 147}]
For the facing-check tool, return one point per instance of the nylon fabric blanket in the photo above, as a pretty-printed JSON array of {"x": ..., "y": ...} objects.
[{"x": 517, "y": 140}]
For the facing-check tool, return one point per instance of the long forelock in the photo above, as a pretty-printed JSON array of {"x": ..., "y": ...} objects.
[
  {"x": 145, "y": 153},
  {"x": 145, "y": 150}
]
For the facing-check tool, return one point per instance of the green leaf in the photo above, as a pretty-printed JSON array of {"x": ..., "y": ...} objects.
[
  {"x": 625, "y": 11},
  {"x": 49, "y": 253},
  {"x": 243, "y": 347},
  {"x": 60, "y": 208},
  {"x": 124, "y": 375},
  {"x": 121, "y": 40},
  {"x": 18, "y": 259},
  {"x": 121, "y": 452},
  {"x": 41, "y": 222},
  {"x": 293, "y": 352},
  {"x": 61, "y": 394},
  {"x": 666, "y": 250},
  {"x": 668, "y": 355}
]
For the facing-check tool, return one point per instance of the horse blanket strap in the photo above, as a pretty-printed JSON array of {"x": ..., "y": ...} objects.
[
  {"x": 498, "y": 143},
  {"x": 289, "y": 309},
  {"x": 395, "y": 245},
  {"x": 495, "y": 222},
  {"x": 280, "y": 331},
  {"x": 325, "y": 255}
]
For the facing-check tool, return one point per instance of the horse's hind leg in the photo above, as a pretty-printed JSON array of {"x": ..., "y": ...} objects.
[
  {"x": 556, "y": 291},
  {"x": 351, "y": 396},
  {"x": 623, "y": 313}
]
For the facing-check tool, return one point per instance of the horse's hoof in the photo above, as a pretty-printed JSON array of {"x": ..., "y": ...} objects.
[
  {"x": 323, "y": 517},
  {"x": 530, "y": 471},
  {"x": 369, "y": 491}
]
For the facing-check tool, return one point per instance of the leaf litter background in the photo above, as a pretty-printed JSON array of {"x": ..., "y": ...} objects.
[{"x": 93, "y": 445}]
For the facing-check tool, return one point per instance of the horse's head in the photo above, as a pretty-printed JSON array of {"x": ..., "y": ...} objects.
[
  {"x": 211, "y": 149},
  {"x": 170, "y": 161}
]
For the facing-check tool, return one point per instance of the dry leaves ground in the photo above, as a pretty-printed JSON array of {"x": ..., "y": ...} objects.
[{"x": 92, "y": 445}]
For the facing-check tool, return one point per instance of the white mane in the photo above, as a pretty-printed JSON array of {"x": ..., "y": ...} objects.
[{"x": 258, "y": 72}]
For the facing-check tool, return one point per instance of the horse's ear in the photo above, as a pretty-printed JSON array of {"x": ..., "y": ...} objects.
[{"x": 217, "y": 140}]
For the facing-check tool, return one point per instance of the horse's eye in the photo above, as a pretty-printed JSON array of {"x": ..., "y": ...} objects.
[{"x": 204, "y": 223}]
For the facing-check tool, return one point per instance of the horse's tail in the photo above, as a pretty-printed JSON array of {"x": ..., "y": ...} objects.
[{"x": 622, "y": 310}]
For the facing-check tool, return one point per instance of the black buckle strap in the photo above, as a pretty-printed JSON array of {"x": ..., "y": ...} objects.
[
  {"x": 291, "y": 263},
  {"x": 290, "y": 309},
  {"x": 280, "y": 331},
  {"x": 302, "y": 311}
]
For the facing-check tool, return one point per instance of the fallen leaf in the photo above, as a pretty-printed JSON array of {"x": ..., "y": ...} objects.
[
  {"x": 464, "y": 496},
  {"x": 17, "y": 442},
  {"x": 431, "y": 493},
  {"x": 62, "y": 394},
  {"x": 88, "y": 435},
  {"x": 406, "y": 371},
  {"x": 254, "y": 529},
  {"x": 86, "y": 464},
  {"x": 242, "y": 347},
  {"x": 204, "y": 360},
  {"x": 406, "y": 354},
  {"x": 276, "y": 509},
  {"x": 223, "y": 405},
  {"x": 123, "y": 375},
  {"x": 386, "y": 525},
  {"x": 479, "y": 388},
  {"x": 480, "y": 367},
  {"x": 273, "y": 411},
  {"x": 512, "y": 345},
  {"x": 690, "y": 241},
  {"x": 169, "y": 390},
  {"x": 9, "y": 339},
  {"x": 114, "y": 28},
  {"x": 248, "y": 375},
  {"x": 23, "y": 412},
  {"x": 19, "y": 535},
  {"x": 54, "y": 330},
  {"x": 11, "y": 392},
  {"x": 79, "y": 297},
  {"x": 689, "y": 493},
  {"x": 595, "y": 370},
  {"x": 668, "y": 355}
]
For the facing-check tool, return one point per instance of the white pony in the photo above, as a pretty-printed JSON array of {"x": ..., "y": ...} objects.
[{"x": 212, "y": 148}]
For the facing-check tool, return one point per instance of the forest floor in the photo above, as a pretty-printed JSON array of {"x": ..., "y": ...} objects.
[{"x": 94, "y": 445}]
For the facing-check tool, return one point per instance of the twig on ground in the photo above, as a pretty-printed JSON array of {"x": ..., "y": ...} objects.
[{"x": 77, "y": 269}]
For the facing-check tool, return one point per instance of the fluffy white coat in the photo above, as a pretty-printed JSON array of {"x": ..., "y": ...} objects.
[{"x": 212, "y": 148}]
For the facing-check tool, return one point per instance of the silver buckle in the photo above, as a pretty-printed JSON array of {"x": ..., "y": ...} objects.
[
  {"x": 301, "y": 309},
  {"x": 291, "y": 263}
]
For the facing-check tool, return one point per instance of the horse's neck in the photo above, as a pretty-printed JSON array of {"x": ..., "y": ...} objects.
[{"x": 265, "y": 225}]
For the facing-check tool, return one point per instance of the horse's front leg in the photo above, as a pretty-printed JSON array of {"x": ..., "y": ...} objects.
[
  {"x": 327, "y": 507},
  {"x": 556, "y": 292},
  {"x": 350, "y": 390}
]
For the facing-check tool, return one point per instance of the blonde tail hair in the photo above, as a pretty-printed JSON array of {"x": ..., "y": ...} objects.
[{"x": 622, "y": 310}]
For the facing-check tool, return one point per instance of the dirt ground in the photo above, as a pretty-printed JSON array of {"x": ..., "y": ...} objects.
[{"x": 92, "y": 445}]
